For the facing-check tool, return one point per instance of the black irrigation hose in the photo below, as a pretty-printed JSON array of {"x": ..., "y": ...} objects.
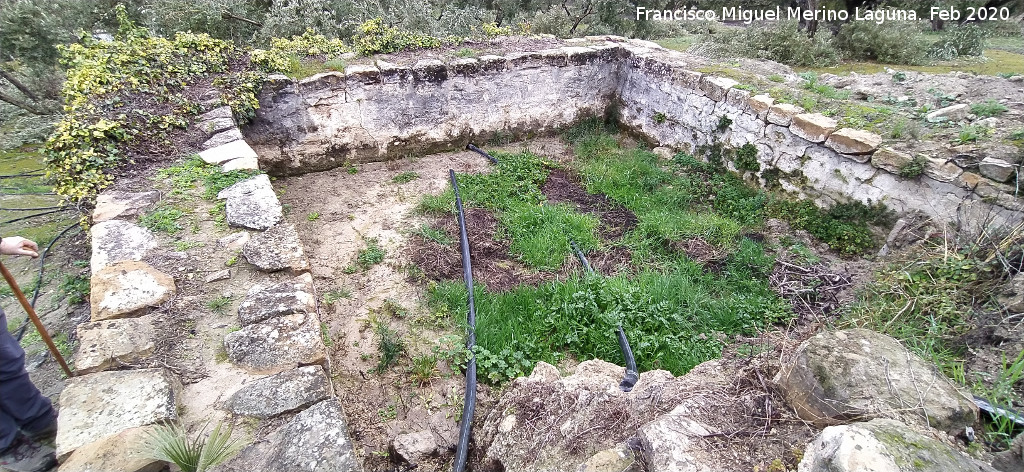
[
  {"x": 29, "y": 217},
  {"x": 28, "y": 173},
  {"x": 481, "y": 152},
  {"x": 58, "y": 207},
  {"x": 39, "y": 279},
  {"x": 632, "y": 375},
  {"x": 462, "y": 449}
]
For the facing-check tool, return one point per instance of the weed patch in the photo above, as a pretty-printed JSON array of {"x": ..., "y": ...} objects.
[
  {"x": 163, "y": 220},
  {"x": 367, "y": 257}
]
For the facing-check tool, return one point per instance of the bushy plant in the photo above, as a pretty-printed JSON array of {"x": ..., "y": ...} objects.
[
  {"x": 375, "y": 37},
  {"x": 779, "y": 41},
  {"x": 963, "y": 40},
  {"x": 300, "y": 47},
  {"x": 890, "y": 42}
]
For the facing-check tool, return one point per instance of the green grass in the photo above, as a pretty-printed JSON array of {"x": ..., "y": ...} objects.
[
  {"x": 333, "y": 296},
  {"x": 186, "y": 175},
  {"x": 405, "y": 177},
  {"x": 163, "y": 220},
  {"x": 988, "y": 108},
  {"x": 681, "y": 43},
  {"x": 219, "y": 305},
  {"x": 390, "y": 345},
  {"x": 993, "y": 62},
  {"x": 367, "y": 257},
  {"x": 466, "y": 52},
  {"x": 74, "y": 288},
  {"x": 433, "y": 234}
]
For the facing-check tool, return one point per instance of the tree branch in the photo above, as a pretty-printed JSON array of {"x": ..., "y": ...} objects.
[
  {"x": 18, "y": 85},
  {"x": 23, "y": 105},
  {"x": 227, "y": 15}
]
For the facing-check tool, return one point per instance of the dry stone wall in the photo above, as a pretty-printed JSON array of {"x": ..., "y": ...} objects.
[{"x": 382, "y": 111}]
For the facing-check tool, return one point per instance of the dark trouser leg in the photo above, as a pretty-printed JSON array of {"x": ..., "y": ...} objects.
[{"x": 22, "y": 406}]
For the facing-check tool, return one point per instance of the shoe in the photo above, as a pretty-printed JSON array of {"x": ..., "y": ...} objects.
[
  {"x": 26, "y": 455},
  {"x": 45, "y": 435}
]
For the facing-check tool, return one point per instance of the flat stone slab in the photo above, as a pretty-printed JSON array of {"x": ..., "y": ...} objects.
[
  {"x": 126, "y": 451},
  {"x": 283, "y": 298},
  {"x": 813, "y": 127},
  {"x": 277, "y": 344},
  {"x": 228, "y": 151},
  {"x": 104, "y": 344},
  {"x": 101, "y": 405},
  {"x": 277, "y": 249},
  {"x": 782, "y": 113},
  {"x": 853, "y": 141},
  {"x": 127, "y": 289},
  {"x": 280, "y": 393},
  {"x": 315, "y": 440},
  {"x": 997, "y": 169},
  {"x": 115, "y": 241},
  {"x": 242, "y": 163},
  {"x": 114, "y": 204},
  {"x": 950, "y": 113},
  {"x": 252, "y": 203},
  {"x": 227, "y": 136}
]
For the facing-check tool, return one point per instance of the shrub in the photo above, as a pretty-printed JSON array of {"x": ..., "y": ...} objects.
[
  {"x": 988, "y": 108},
  {"x": 746, "y": 158},
  {"x": 374, "y": 37},
  {"x": 965, "y": 40},
  {"x": 780, "y": 41},
  {"x": 889, "y": 42},
  {"x": 284, "y": 52},
  {"x": 913, "y": 168}
]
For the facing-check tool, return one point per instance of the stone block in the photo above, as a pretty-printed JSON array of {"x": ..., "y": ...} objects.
[
  {"x": 940, "y": 169},
  {"x": 227, "y": 136},
  {"x": 716, "y": 88},
  {"x": 997, "y": 169},
  {"x": 282, "y": 298},
  {"x": 128, "y": 288},
  {"x": 228, "y": 151},
  {"x": 116, "y": 241},
  {"x": 891, "y": 160},
  {"x": 252, "y": 203},
  {"x": 127, "y": 451},
  {"x": 761, "y": 104},
  {"x": 782, "y": 113},
  {"x": 114, "y": 204},
  {"x": 853, "y": 141},
  {"x": 813, "y": 127},
  {"x": 287, "y": 391},
  {"x": 242, "y": 163},
  {"x": 106, "y": 344},
  {"x": 276, "y": 249},
  {"x": 950, "y": 113},
  {"x": 277, "y": 344}
]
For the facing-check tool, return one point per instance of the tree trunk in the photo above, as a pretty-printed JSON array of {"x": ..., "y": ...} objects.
[
  {"x": 23, "y": 105},
  {"x": 18, "y": 85}
]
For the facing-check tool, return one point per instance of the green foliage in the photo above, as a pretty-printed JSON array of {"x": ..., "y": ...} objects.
[
  {"x": 972, "y": 133},
  {"x": 333, "y": 296},
  {"x": 405, "y": 177},
  {"x": 891, "y": 42},
  {"x": 423, "y": 368},
  {"x": 724, "y": 122},
  {"x": 74, "y": 288},
  {"x": 811, "y": 83},
  {"x": 988, "y": 108},
  {"x": 169, "y": 442},
  {"x": 185, "y": 176},
  {"x": 959, "y": 40},
  {"x": 781, "y": 41},
  {"x": 660, "y": 118},
  {"x": 293, "y": 56},
  {"x": 466, "y": 52},
  {"x": 163, "y": 220},
  {"x": 430, "y": 233},
  {"x": 89, "y": 139},
  {"x": 844, "y": 227},
  {"x": 219, "y": 305},
  {"x": 746, "y": 158},
  {"x": 540, "y": 233},
  {"x": 390, "y": 345},
  {"x": 313, "y": 216},
  {"x": 367, "y": 257},
  {"x": 999, "y": 391},
  {"x": 913, "y": 168},
  {"x": 375, "y": 37}
]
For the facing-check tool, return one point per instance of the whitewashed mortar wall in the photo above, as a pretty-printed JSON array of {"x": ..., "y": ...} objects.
[{"x": 385, "y": 111}]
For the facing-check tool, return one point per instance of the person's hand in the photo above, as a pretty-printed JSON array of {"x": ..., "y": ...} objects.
[{"x": 18, "y": 246}]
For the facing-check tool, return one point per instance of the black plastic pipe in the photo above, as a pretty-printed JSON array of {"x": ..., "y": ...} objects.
[
  {"x": 469, "y": 402},
  {"x": 481, "y": 152},
  {"x": 20, "y": 332},
  {"x": 632, "y": 375}
]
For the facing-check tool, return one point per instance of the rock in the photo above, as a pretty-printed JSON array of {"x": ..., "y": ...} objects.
[
  {"x": 277, "y": 249},
  {"x": 242, "y": 163},
  {"x": 891, "y": 160},
  {"x": 813, "y": 127},
  {"x": 856, "y": 374},
  {"x": 1002, "y": 151},
  {"x": 968, "y": 180},
  {"x": 127, "y": 289},
  {"x": 1012, "y": 459},
  {"x": 1011, "y": 297},
  {"x": 997, "y": 169},
  {"x": 219, "y": 275},
  {"x": 782, "y": 113},
  {"x": 252, "y": 203},
  {"x": 115, "y": 241},
  {"x": 853, "y": 141},
  {"x": 104, "y": 404},
  {"x": 227, "y": 136},
  {"x": 283, "y": 298},
  {"x": 414, "y": 447},
  {"x": 616, "y": 459},
  {"x": 234, "y": 240},
  {"x": 671, "y": 442},
  {"x": 950, "y": 113},
  {"x": 217, "y": 113},
  {"x": 882, "y": 445},
  {"x": 280, "y": 393},
  {"x": 126, "y": 451},
  {"x": 940, "y": 169},
  {"x": 115, "y": 204},
  {"x": 277, "y": 344},
  {"x": 716, "y": 88},
  {"x": 104, "y": 344},
  {"x": 663, "y": 152},
  {"x": 226, "y": 152},
  {"x": 315, "y": 440},
  {"x": 990, "y": 122},
  {"x": 761, "y": 104}
]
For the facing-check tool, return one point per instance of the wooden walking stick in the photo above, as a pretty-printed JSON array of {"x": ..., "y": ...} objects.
[{"x": 35, "y": 320}]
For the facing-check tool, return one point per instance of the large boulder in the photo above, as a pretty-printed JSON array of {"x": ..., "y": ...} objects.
[
  {"x": 883, "y": 445},
  {"x": 115, "y": 241},
  {"x": 858, "y": 374},
  {"x": 315, "y": 440},
  {"x": 283, "y": 298},
  {"x": 128, "y": 288},
  {"x": 252, "y": 203},
  {"x": 280, "y": 393},
  {"x": 97, "y": 406}
]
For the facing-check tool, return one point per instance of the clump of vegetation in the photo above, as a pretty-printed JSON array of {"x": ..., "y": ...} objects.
[
  {"x": 811, "y": 83},
  {"x": 959, "y": 40},
  {"x": 845, "y": 227},
  {"x": 913, "y": 168},
  {"x": 367, "y": 257},
  {"x": 781, "y": 41},
  {"x": 390, "y": 345},
  {"x": 890, "y": 42},
  {"x": 971, "y": 133},
  {"x": 405, "y": 177},
  {"x": 219, "y": 304},
  {"x": 170, "y": 443},
  {"x": 300, "y": 56},
  {"x": 185, "y": 176},
  {"x": 746, "y": 158},
  {"x": 74, "y": 288},
  {"x": 102, "y": 74},
  {"x": 375, "y": 37},
  {"x": 988, "y": 108},
  {"x": 163, "y": 220}
]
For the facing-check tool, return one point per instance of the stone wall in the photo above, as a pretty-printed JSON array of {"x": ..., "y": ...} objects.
[{"x": 383, "y": 111}]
